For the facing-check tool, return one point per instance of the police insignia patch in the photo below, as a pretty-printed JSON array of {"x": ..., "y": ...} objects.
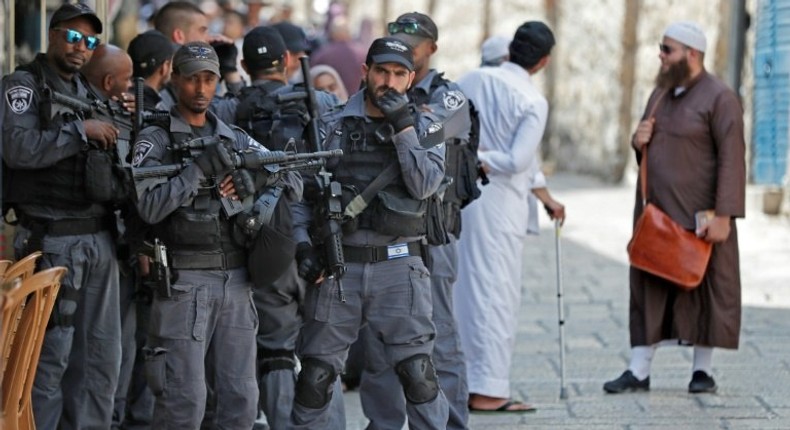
[
  {"x": 453, "y": 100},
  {"x": 19, "y": 99},
  {"x": 141, "y": 150}
]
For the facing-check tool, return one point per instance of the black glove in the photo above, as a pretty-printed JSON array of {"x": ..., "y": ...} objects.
[
  {"x": 215, "y": 160},
  {"x": 310, "y": 267},
  {"x": 395, "y": 107},
  {"x": 227, "y": 53},
  {"x": 243, "y": 183}
]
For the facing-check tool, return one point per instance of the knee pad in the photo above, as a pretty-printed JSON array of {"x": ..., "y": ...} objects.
[
  {"x": 418, "y": 377},
  {"x": 312, "y": 387}
]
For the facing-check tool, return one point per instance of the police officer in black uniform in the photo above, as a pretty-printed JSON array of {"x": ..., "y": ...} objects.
[
  {"x": 386, "y": 284},
  {"x": 202, "y": 328},
  {"x": 436, "y": 97},
  {"x": 279, "y": 125},
  {"x": 46, "y": 180}
]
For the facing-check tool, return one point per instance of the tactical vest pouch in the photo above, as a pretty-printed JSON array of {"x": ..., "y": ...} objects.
[
  {"x": 98, "y": 176},
  {"x": 436, "y": 227},
  {"x": 398, "y": 214},
  {"x": 192, "y": 228},
  {"x": 105, "y": 181}
]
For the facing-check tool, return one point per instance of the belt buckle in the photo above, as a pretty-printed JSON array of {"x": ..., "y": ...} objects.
[{"x": 398, "y": 250}]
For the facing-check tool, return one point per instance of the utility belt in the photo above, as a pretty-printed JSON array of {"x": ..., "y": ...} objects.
[
  {"x": 217, "y": 261},
  {"x": 65, "y": 227},
  {"x": 375, "y": 254}
]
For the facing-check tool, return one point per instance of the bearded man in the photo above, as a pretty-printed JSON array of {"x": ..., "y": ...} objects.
[{"x": 694, "y": 125}]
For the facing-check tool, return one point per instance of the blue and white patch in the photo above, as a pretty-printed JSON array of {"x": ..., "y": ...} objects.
[
  {"x": 19, "y": 99},
  {"x": 141, "y": 150},
  {"x": 453, "y": 100},
  {"x": 397, "y": 251}
]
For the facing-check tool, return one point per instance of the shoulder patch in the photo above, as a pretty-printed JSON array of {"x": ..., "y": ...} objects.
[
  {"x": 141, "y": 150},
  {"x": 19, "y": 99},
  {"x": 453, "y": 100}
]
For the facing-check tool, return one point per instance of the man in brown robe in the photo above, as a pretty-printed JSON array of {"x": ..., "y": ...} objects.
[{"x": 696, "y": 163}]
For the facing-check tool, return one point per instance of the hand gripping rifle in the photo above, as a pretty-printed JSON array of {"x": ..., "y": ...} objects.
[
  {"x": 59, "y": 106},
  {"x": 331, "y": 193},
  {"x": 272, "y": 161}
]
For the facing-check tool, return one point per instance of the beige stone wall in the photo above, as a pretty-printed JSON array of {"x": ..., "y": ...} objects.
[{"x": 584, "y": 132}]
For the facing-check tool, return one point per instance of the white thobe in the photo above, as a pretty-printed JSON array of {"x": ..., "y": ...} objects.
[{"x": 487, "y": 295}]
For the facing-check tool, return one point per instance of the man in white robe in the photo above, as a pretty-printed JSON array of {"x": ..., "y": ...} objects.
[{"x": 487, "y": 295}]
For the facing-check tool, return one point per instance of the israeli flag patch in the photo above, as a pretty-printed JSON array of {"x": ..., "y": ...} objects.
[{"x": 399, "y": 250}]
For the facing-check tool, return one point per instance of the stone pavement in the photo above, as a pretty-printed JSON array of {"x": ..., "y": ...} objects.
[{"x": 754, "y": 381}]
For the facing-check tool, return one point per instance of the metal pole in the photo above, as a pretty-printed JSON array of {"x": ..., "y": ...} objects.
[
  {"x": 11, "y": 35},
  {"x": 560, "y": 313},
  {"x": 43, "y": 26}
]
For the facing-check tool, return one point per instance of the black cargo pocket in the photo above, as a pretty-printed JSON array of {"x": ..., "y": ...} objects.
[
  {"x": 420, "y": 281},
  {"x": 325, "y": 295},
  {"x": 155, "y": 369}
]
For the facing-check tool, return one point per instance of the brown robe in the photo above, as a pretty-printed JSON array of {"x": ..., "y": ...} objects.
[{"x": 696, "y": 161}]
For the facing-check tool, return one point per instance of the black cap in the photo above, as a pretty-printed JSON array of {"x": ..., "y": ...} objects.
[
  {"x": 70, "y": 11},
  {"x": 390, "y": 50},
  {"x": 194, "y": 57},
  {"x": 294, "y": 36},
  {"x": 263, "y": 48},
  {"x": 148, "y": 51},
  {"x": 413, "y": 27},
  {"x": 533, "y": 40}
]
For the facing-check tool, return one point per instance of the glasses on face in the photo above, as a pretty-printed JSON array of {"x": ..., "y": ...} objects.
[
  {"x": 409, "y": 26},
  {"x": 665, "y": 49},
  {"x": 74, "y": 37}
]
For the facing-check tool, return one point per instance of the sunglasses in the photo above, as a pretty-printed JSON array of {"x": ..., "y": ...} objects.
[
  {"x": 74, "y": 36},
  {"x": 666, "y": 49},
  {"x": 409, "y": 26}
]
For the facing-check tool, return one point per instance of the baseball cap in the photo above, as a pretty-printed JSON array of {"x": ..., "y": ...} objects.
[
  {"x": 148, "y": 51},
  {"x": 263, "y": 47},
  {"x": 293, "y": 35},
  {"x": 70, "y": 11},
  {"x": 413, "y": 28},
  {"x": 194, "y": 57},
  {"x": 390, "y": 50},
  {"x": 688, "y": 33},
  {"x": 494, "y": 50}
]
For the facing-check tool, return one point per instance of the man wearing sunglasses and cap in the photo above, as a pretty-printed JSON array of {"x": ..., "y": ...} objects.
[
  {"x": 78, "y": 367},
  {"x": 443, "y": 102},
  {"x": 386, "y": 284}
]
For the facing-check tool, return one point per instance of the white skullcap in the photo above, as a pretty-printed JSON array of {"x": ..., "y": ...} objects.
[
  {"x": 495, "y": 48},
  {"x": 688, "y": 33}
]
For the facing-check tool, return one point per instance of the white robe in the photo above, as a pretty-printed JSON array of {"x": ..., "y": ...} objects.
[{"x": 487, "y": 295}]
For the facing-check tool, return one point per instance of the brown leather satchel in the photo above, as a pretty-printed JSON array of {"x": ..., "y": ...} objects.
[{"x": 664, "y": 248}]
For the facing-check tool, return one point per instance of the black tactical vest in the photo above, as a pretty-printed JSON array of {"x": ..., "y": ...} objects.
[
  {"x": 61, "y": 185},
  {"x": 271, "y": 122},
  {"x": 199, "y": 227}
]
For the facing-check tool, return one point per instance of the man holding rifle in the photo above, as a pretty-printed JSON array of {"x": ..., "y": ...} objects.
[
  {"x": 203, "y": 323},
  {"x": 46, "y": 183},
  {"x": 390, "y": 174}
]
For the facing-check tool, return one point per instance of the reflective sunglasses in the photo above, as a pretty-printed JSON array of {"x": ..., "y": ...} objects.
[
  {"x": 666, "y": 49},
  {"x": 409, "y": 26},
  {"x": 74, "y": 36}
]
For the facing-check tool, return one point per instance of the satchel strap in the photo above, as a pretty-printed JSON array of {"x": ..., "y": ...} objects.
[{"x": 643, "y": 163}]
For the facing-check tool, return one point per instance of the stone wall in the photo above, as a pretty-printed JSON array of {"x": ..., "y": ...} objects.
[{"x": 584, "y": 131}]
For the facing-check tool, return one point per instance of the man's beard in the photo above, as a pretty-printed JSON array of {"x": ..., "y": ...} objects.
[
  {"x": 676, "y": 75},
  {"x": 65, "y": 66},
  {"x": 370, "y": 93}
]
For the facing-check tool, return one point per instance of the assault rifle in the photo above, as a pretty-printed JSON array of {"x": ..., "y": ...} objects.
[
  {"x": 63, "y": 107},
  {"x": 272, "y": 161},
  {"x": 331, "y": 192}
]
